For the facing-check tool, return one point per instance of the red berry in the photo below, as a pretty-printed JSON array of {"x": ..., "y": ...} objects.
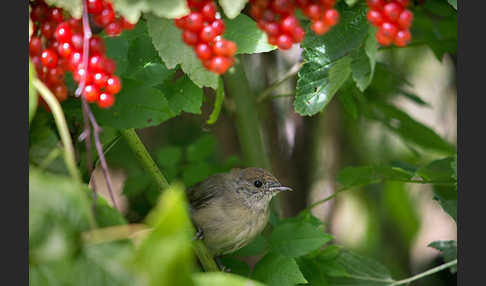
[
  {"x": 383, "y": 39},
  {"x": 375, "y": 17},
  {"x": 55, "y": 76},
  {"x": 65, "y": 50},
  {"x": 218, "y": 26},
  {"x": 268, "y": 15},
  {"x": 289, "y": 24},
  {"x": 272, "y": 29},
  {"x": 63, "y": 32},
  {"x": 48, "y": 29},
  {"x": 319, "y": 27},
  {"x": 106, "y": 100},
  {"x": 99, "y": 79},
  {"x": 113, "y": 84},
  {"x": 302, "y": 3},
  {"x": 273, "y": 40},
  {"x": 284, "y": 42},
  {"x": 194, "y": 22},
  {"x": 404, "y": 3},
  {"x": 113, "y": 29},
  {"x": 256, "y": 12},
  {"x": 376, "y": 4},
  {"x": 283, "y": 6},
  {"x": 298, "y": 35},
  {"x": 180, "y": 22},
  {"x": 106, "y": 16},
  {"x": 110, "y": 66},
  {"x": 219, "y": 64},
  {"x": 313, "y": 11},
  {"x": 79, "y": 73},
  {"x": 35, "y": 45},
  {"x": 55, "y": 14},
  {"x": 224, "y": 48},
  {"x": 91, "y": 93},
  {"x": 39, "y": 12},
  {"x": 75, "y": 60},
  {"x": 402, "y": 38},
  {"x": 127, "y": 25},
  {"x": 195, "y": 3},
  {"x": 203, "y": 51},
  {"x": 96, "y": 45},
  {"x": 392, "y": 11},
  {"x": 60, "y": 92},
  {"x": 77, "y": 41},
  {"x": 96, "y": 63},
  {"x": 331, "y": 17},
  {"x": 388, "y": 29},
  {"x": 49, "y": 58},
  {"x": 95, "y": 6},
  {"x": 405, "y": 19},
  {"x": 208, "y": 11},
  {"x": 328, "y": 3},
  {"x": 207, "y": 34},
  {"x": 75, "y": 24},
  {"x": 189, "y": 37}
]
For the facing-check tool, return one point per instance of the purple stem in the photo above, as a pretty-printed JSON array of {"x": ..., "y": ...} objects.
[
  {"x": 86, "y": 38},
  {"x": 86, "y": 135}
]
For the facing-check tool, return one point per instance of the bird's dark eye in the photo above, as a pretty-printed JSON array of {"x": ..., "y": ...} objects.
[{"x": 258, "y": 183}]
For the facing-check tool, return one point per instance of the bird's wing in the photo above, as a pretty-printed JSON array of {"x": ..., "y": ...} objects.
[{"x": 200, "y": 194}]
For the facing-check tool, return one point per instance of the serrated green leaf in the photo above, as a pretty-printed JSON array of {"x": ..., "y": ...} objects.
[
  {"x": 165, "y": 256},
  {"x": 33, "y": 97},
  {"x": 232, "y": 8},
  {"x": 296, "y": 238},
  {"x": 218, "y": 103},
  {"x": 167, "y": 41},
  {"x": 277, "y": 270},
  {"x": 364, "y": 60},
  {"x": 357, "y": 176},
  {"x": 74, "y": 7},
  {"x": 183, "y": 95},
  {"x": 448, "y": 249},
  {"x": 132, "y": 9},
  {"x": 248, "y": 37},
  {"x": 447, "y": 198},
  {"x": 136, "y": 106},
  {"x": 222, "y": 279},
  {"x": 317, "y": 84}
]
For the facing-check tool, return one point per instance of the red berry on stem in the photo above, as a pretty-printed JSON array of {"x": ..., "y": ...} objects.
[
  {"x": 207, "y": 34},
  {"x": 383, "y": 39},
  {"x": 91, "y": 93},
  {"x": 405, "y": 19},
  {"x": 49, "y": 58},
  {"x": 189, "y": 37},
  {"x": 113, "y": 29},
  {"x": 77, "y": 41},
  {"x": 388, "y": 29},
  {"x": 392, "y": 11},
  {"x": 180, "y": 22},
  {"x": 127, "y": 25},
  {"x": 208, "y": 11},
  {"x": 55, "y": 76},
  {"x": 273, "y": 40},
  {"x": 219, "y": 64},
  {"x": 96, "y": 63},
  {"x": 375, "y": 17},
  {"x": 48, "y": 29},
  {"x": 331, "y": 17},
  {"x": 106, "y": 16},
  {"x": 75, "y": 60},
  {"x": 55, "y": 15},
  {"x": 376, "y": 4},
  {"x": 96, "y": 45},
  {"x": 319, "y": 27},
  {"x": 63, "y": 32},
  {"x": 313, "y": 11},
  {"x": 60, "y": 92},
  {"x": 39, "y": 12},
  {"x": 106, "y": 100},
  {"x": 284, "y": 42},
  {"x": 218, "y": 26},
  {"x": 194, "y": 22},
  {"x": 35, "y": 45},
  {"x": 272, "y": 29},
  {"x": 289, "y": 24},
  {"x": 95, "y": 6},
  {"x": 283, "y": 6},
  {"x": 404, "y": 3},
  {"x": 65, "y": 50},
  {"x": 113, "y": 84},
  {"x": 203, "y": 51},
  {"x": 298, "y": 35},
  {"x": 402, "y": 38},
  {"x": 75, "y": 24},
  {"x": 99, "y": 79}
]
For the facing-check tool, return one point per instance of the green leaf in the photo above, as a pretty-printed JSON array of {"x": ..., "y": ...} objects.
[
  {"x": 296, "y": 238},
  {"x": 248, "y": 37},
  {"x": 334, "y": 266},
  {"x": 348, "y": 97},
  {"x": 364, "y": 60},
  {"x": 169, "y": 156},
  {"x": 106, "y": 215},
  {"x": 202, "y": 148},
  {"x": 232, "y": 8},
  {"x": 350, "y": 2},
  {"x": 448, "y": 249},
  {"x": 183, "y": 95},
  {"x": 136, "y": 184},
  {"x": 222, "y": 279},
  {"x": 453, "y": 3},
  {"x": 136, "y": 106},
  {"x": 277, "y": 270},
  {"x": 33, "y": 96},
  {"x": 132, "y": 9},
  {"x": 447, "y": 198},
  {"x": 357, "y": 176},
  {"x": 439, "y": 170},
  {"x": 74, "y": 7},
  {"x": 317, "y": 84},
  {"x": 165, "y": 256},
  {"x": 235, "y": 265},
  {"x": 167, "y": 41},
  {"x": 218, "y": 103},
  {"x": 408, "y": 128},
  {"x": 256, "y": 247},
  {"x": 196, "y": 172}
]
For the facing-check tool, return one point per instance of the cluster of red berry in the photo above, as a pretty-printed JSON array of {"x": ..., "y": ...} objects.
[
  {"x": 104, "y": 16},
  {"x": 276, "y": 18},
  {"x": 202, "y": 29},
  {"x": 393, "y": 21},
  {"x": 56, "y": 46}
]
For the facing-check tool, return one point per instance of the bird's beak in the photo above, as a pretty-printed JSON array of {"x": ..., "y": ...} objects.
[{"x": 279, "y": 189}]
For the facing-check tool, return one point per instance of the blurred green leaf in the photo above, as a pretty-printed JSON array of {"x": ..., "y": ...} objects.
[
  {"x": 202, "y": 148},
  {"x": 32, "y": 92},
  {"x": 222, "y": 279},
  {"x": 235, "y": 265},
  {"x": 448, "y": 249},
  {"x": 256, "y": 247},
  {"x": 364, "y": 175},
  {"x": 296, "y": 238},
  {"x": 232, "y": 8},
  {"x": 364, "y": 60},
  {"x": 183, "y": 95},
  {"x": 348, "y": 97},
  {"x": 165, "y": 257},
  {"x": 196, "y": 172},
  {"x": 439, "y": 170},
  {"x": 167, "y": 41},
  {"x": 169, "y": 156},
  {"x": 136, "y": 106},
  {"x": 248, "y": 37},
  {"x": 447, "y": 198},
  {"x": 132, "y": 9},
  {"x": 453, "y": 3},
  {"x": 277, "y": 270},
  {"x": 106, "y": 215}
]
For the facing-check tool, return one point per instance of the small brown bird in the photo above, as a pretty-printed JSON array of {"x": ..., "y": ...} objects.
[{"x": 230, "y": 209}]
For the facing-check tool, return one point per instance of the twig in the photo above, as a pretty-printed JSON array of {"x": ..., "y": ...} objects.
[
  {"x": 86, "y": 136},
  {"x": 292, "y": 71},
  {"x": 86, "y": 38},
  {"x": 426, "y": 273}
]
